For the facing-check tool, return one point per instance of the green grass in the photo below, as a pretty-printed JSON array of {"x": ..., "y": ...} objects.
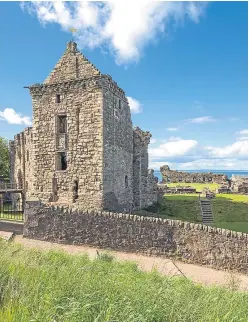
[
  {"x": 230, "y": 211},
  {"x": 15, "y": 216},
  {"x": 54, "y": 286},
  {"x": 198, "y": 186}
]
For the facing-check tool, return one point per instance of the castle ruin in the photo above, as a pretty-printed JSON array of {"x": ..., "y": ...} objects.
[
  {"x": 82, "y": 148},
  {"x": 178, "y": 176}
]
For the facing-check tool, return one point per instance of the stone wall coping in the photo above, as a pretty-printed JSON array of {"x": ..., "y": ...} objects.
[
  {"x": 175, "y": 223},
  {"x": 102, "y": 80}
]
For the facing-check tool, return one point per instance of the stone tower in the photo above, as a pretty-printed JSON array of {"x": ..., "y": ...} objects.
[{"x": 84, "y": 149}]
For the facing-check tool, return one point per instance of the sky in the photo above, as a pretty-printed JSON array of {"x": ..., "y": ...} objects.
[{"x": 182, "y": 65}]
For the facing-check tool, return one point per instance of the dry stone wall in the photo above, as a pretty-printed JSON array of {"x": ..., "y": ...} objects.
[
  {"x": 178, "y": 176},
  {"x": 192, "y": 243}
]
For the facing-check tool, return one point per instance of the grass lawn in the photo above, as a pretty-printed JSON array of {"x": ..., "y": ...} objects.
[
  {"x": 198, "y": 186},
  {"x": 230, "y": 211},
  {"x": 55, "y": 286},
  {"x": 11, "y": 216}
]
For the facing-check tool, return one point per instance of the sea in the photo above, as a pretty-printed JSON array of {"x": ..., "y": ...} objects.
[{"x": 229, "y": 173}]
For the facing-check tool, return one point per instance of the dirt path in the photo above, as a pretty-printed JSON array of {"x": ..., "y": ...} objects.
[{"x": 198, "y": 274}]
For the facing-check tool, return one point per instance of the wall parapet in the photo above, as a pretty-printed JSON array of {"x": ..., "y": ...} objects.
[{"x": 190, "y": 242}]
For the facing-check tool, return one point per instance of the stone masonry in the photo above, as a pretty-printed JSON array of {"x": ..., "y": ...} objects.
[
  {"x": 178, "y": 176},
  {"x": 82, "y": 148},
  {"x": 192, "y": 243}
]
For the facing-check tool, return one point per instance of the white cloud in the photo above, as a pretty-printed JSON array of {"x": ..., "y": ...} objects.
[
  {"x": 156, "y": 165},
  {"x": 153, "y": 141},
  {"x": 174, "y": 147},
  {"x": 201, "y": 120},
  {"x": 242, "y": 135},
  {"x": 216, "y": 164},
  {"x": 12, "y": 117},
  {"x": 135, "y": 105},
  {"x": 171, "y": 129},
  {"x": 238, "y": 149},
  {"x": 243, "y": 132},
  {"x": 124, "y": 27},
  {"x": 190, "y": 155}
]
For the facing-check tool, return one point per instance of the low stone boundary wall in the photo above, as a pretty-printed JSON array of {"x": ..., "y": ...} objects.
[{"x": 192, "y": 243}]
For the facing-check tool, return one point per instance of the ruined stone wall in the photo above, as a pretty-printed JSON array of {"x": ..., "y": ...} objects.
[
  {"x": 178, "y": 176},
  {"x": 239, "y": 184},
  {"x": 81, "y": 102},
  {"x": 28, "y": 162},
  {"x": 192, "y": 243},
  {"x": 144, "y": 182},
  {"x": 153, "y": 194},
  {"x": 118, "y": 149},
  {"x": 21, "y": 153}
]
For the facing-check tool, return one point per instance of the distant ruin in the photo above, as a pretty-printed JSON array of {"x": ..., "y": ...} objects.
[
  {"x": 178, "y": 176},
  {"x": 239, "y": 184}
]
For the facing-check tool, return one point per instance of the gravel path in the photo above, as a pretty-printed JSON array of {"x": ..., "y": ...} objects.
[{"x": 198, "y": 274}]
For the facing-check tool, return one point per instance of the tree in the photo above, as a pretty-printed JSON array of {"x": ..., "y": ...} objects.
[{"x": 4, "y": 158}]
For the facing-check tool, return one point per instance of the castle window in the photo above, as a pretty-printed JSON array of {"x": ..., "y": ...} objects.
[
  {"x": 126, "y": 181},
  {"x": 26, "y": 185},
  {"x": 61, "y": 161},
  {"x": 62, "y": 124},
  {"x": 27, "y": 155},
  {"x": 119, "y": 103},
  {"x": 75, "y": 190},
  {"x": 58, "y": 98}
]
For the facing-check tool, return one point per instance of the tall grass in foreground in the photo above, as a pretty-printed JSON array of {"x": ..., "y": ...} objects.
[{"x": 54, "y": 286}]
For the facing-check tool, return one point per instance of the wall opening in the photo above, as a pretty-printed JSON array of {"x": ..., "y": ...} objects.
[
  {"x": 194, "y": 179},
  {"x": 75, "y": 190},
  {"x": 27, "y": 186},
  {"x": 62, "y": 124},
  {"x": 58, "y": 98},
  {"x": 126, "y": 182},
  {"x": 61, "y": 161},
  {"x": 119, "y": 104},
  {"x": 27, "y": 155},
  {"x": 180, "y": 179}
]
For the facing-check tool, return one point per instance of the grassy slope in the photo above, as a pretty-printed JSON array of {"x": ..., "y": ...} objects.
[
  {"x": 54, "y": 286},
  {"x": 230, "y": 211}
]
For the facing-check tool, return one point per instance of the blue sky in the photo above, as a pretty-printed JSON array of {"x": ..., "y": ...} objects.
[{"x": 183, "y": 67}]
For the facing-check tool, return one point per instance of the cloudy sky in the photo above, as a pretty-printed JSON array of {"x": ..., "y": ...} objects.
[{"x": 183, "y": 67}]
